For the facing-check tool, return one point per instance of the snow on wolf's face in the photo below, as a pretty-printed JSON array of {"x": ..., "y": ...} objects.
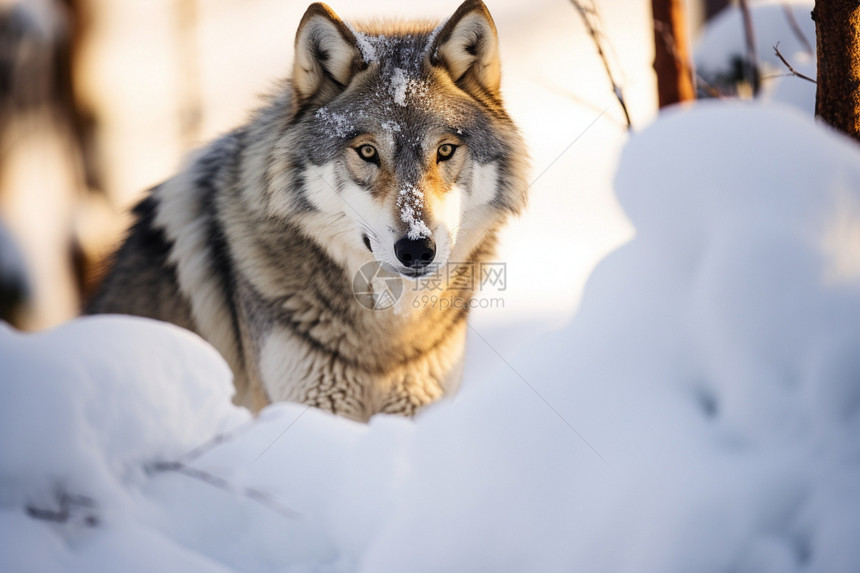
[{"x": 403, "y": 162}]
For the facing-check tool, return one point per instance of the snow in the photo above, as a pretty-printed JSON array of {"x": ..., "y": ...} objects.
[
  {"x": 693, "y": 369},
  {"x": 340, "y": 123},
  {"x": 399, "y": 83},
  {"x": 390, "y": 126},
  {"x": 88, "y": 408},
  {"x": 368, "y": 50},
  {"x": 93, "y": 408},
  {"x": 410, "y": 200}
]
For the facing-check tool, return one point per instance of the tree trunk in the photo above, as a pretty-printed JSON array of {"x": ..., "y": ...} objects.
[
  {"x": 837, "y": 99},
  {"x": 672, "y": 53}
]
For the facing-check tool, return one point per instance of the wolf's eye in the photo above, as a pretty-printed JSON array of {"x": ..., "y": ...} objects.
[
  {"x": 368, "y": 153},
  {"x": 445, "y": 151}
]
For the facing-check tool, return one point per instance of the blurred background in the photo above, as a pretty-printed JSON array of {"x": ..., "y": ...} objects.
[{"x": 100, "y": 100}]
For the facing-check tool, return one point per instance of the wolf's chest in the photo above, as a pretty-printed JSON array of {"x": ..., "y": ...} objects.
[{"x": 293, "y": 368}]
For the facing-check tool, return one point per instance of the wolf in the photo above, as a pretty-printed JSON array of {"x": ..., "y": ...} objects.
[{"x": 385, "y": 159}]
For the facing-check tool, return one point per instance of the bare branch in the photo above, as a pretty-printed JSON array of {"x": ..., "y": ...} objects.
[
  {"x": 794, "y": 72},
  {"x": 69, "y": 508},
  {"x": 217, "y": 440},
  {"x": 587, "y": 13},
  {"x": 708, "y": 87},
  {"x": 795, "y": 28},
  {"x": 259, "y": 496},
  {"x": 182, "y": 466}
]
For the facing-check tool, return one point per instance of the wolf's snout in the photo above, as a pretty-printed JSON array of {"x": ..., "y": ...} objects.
[{"x": 415, "y": 253}]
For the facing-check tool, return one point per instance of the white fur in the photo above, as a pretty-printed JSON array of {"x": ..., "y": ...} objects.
[
  {"x": 293, "y": 371},
  {"x": 342, "y": 218},
  {"x": 484, "y": 185},
  {"x": 476, "y": 216},
  {"x": 284, "y": 364},
  {"x": 180, "y": 216}
]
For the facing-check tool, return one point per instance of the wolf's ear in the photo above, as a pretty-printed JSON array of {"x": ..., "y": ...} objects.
[
  {"x": 327, "y": 54},
  {"x": 468, "y": 47}
]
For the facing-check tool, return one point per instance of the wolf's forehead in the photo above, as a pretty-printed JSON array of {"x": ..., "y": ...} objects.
[
  {"x": 398, "y": 100},
  {"x": 400, "y": 76},
  {"x": 405, "y": 51},
  {"x": 405, "y": 105},
  {"x": 408, "y": 111},
  {"x": 401, "y": 95}
]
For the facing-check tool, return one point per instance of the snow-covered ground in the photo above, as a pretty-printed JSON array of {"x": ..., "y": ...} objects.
[{"x": 700, "y": 412}]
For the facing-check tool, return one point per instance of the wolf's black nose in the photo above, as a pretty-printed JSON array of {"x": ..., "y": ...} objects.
[{"x": 415, "y": 253}]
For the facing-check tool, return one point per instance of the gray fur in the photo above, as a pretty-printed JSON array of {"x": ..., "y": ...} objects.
[{"x": 249, "y": 247}]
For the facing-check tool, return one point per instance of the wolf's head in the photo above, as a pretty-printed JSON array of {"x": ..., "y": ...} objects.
[{"x": 398, "y": 144}]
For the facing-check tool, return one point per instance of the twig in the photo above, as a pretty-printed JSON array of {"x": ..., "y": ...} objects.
[
  {"x": 749, "y": 35},
  {"x": 791, "y": 69},
  {"x": 708, "y": 87},
  {"x": 68, "y": 504},
  {"x": 254, "y": 494},
  {"x": 792, "y": 23},
  {"x": 779, "y": 75},
  {"x": 584, "y": 12},
  {"x": 217, "y": 440},
  {"x": 181, "y": 466}
]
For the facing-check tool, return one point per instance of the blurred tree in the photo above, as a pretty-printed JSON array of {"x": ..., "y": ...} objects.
[
  {"x": 751, "y": 69},
  {"x": 42, "y": 167},
  {"x": 837, "y": 99},
  {"x": 186, "y": 22},
  {"x": 672, "y": 53},
  {"x": 14, "y": 283}
]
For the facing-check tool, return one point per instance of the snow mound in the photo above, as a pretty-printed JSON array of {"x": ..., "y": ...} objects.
[
  {"x": 701, "y": 412},
  {"x": 88, "y": 406}
]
